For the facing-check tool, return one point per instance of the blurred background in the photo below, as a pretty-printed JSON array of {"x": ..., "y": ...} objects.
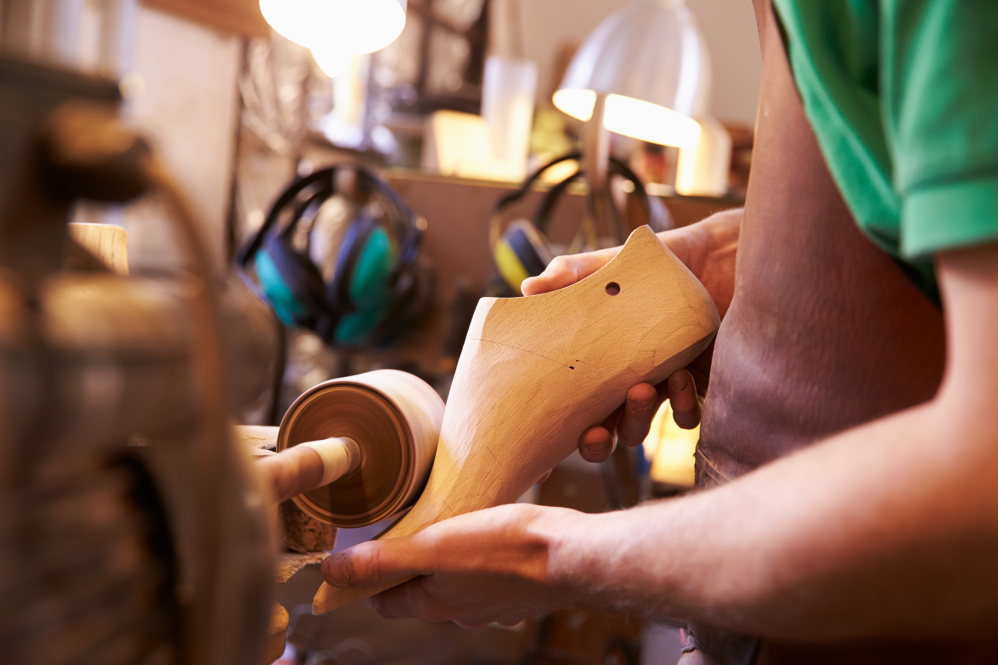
[{"x": 467, "y": 100}]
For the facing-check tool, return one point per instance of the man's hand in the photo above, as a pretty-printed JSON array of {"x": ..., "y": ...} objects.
[
  {"x": 495, "y": 565},
  {"x": 708, "y": 249}
]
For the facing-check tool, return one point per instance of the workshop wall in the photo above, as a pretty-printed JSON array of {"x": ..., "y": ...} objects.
[{"x": 185, "y": 97}]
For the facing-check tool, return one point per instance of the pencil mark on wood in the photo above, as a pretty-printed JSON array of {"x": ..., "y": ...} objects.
[{"x": 517, "y": 348}]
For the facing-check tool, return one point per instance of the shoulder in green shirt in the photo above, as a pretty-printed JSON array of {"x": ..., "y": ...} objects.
[{"x": 903, "y": 98}]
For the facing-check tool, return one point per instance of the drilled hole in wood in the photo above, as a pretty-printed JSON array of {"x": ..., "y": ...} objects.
[{"x": 612, "y": 288}]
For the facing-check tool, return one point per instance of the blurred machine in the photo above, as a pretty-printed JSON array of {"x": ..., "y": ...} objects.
[{"x": 131, "y": 528}]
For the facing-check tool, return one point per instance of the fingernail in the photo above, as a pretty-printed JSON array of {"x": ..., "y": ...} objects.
[
  {"x": 336, "y": 571},
  {"x": 594, "y": 450},
  {"x": 679, "y": 383}
]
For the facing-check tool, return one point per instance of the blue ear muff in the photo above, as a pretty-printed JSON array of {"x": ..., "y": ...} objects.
[
  {"x": 287, "y": 307},
  {"x": 362, "y": 289},
  {"x": 291, "y": 282}
]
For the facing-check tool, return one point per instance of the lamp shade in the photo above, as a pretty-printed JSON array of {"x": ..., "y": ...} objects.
[
  {"x": 347, "y": 26},
  {"x": 650, "y": 60}
]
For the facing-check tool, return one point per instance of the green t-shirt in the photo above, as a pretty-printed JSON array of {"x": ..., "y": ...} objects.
[{"x": 903, "y": 98}]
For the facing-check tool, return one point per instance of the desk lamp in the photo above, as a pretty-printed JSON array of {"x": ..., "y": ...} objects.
[{"x": 644, "y": 72}]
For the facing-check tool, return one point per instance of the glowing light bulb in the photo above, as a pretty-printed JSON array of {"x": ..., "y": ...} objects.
[
  {"x": 632, "y": 117},
  {"x": 649, "y": 122},
  {"x": 330, "y": 58},
  {"x": 576, "y": 103},
  {"x": 354, "y": 26}
]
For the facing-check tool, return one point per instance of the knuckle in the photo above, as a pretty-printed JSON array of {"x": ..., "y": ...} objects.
[
  {"x": 508, "y": 510},
  {"x": 379, "y": 606},
  {"x": 435, "y": 615},
  {"x": 426, "y": 604},
  {"x": 471, "y": 625},
  {"x": 432, "y": 610},
  {"x": 634, "y": 434},
  {"x": 375, "y": 565},
  {"x": 420, "y": 602},
  {"x": 363, "y": 565},
  {"x": 349, "y": 569},
  {"x": 559, "y": 264}
]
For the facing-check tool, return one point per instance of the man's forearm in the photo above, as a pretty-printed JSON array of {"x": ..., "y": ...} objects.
[{"x": 891, "y": 528}]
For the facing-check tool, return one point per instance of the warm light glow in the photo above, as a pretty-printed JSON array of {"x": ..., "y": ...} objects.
[
  {"x": 576, "y": 103},
  {"x": 632, "y": 117},
  {"x": 649, "y": 122},
  {"x": 331, "y": 60},
  {"x": 354, "y": 26},
  {"x": 671, "y": 450}
]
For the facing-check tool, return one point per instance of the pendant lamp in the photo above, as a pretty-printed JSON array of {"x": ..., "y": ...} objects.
[{"x": 345, "y": 26}]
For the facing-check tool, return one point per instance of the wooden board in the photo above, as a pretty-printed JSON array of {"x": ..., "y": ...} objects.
[{"x": 107, "y": 242}]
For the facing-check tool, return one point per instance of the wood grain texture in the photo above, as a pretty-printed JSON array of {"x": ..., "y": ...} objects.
[
  {"x": 107, "y": 242},
  {"x": 257, "y": 438},
  {"x": 536, "y": 372},
  {"x": 394, "y": 417},
  {"x": 290, "y": 563}
]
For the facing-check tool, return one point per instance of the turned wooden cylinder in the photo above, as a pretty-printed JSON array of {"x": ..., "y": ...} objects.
[{"x": 393, "y": 417}]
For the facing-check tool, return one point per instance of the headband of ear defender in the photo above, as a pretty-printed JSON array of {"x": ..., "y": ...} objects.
[
  {"x": 375, "y": 279},
  {"x": 522, "y": 250}
]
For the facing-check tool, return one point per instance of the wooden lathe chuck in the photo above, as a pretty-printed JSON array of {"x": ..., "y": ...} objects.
[{"x": 372, "y": 437}]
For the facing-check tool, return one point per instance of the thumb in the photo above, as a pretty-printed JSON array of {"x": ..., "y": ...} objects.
[
  {"x": 374, "y": 563},
  {"x": 567, "y": 270}
]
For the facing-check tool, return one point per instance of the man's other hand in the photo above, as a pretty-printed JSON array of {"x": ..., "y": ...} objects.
[{"x": 494, "y": 565}]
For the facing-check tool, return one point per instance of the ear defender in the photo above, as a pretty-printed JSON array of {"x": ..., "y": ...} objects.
[
  {"x": 292, "y": 286},
  {"x": 362, "y": 285},
  {"x": 280, "y": 296},
  {"x": 522, "y": 252},
  {"x": 370, "y": 298}
]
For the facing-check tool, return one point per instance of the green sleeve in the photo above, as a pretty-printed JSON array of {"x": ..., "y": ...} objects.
[{"x": 939, "y": 87}]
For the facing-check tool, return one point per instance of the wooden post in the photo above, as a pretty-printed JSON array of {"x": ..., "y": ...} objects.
[{"x": 107, "y": 242}]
